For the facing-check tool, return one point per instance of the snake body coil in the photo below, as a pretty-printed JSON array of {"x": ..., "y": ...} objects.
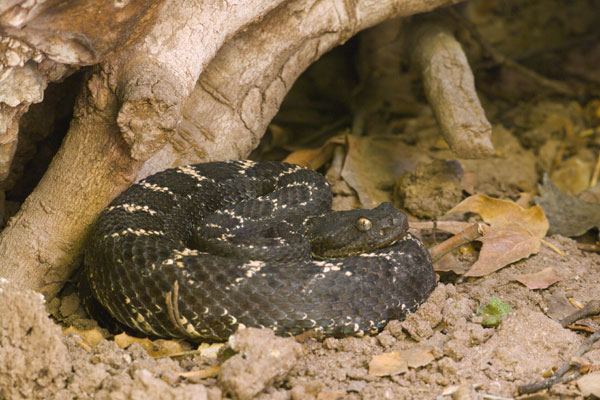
[{"x": 198, "y": 250}]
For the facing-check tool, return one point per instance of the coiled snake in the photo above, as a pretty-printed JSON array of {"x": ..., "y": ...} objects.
[{"x": 196, "y": 251}]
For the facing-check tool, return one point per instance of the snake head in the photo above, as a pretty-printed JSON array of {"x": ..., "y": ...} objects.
[{"x": 349, "y": 233}]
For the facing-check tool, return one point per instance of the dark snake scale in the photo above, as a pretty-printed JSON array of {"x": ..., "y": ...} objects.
[{"x": 198, "y": 251}]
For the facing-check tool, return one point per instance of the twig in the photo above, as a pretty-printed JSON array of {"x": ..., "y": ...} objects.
[
  {"x": 500, "y": 58},
  {"x": 473, "y": 232},
  {"x": 591, "y": 308},
  {"x": 453, "y": 227},
  {"x": 588, "y": 247}
]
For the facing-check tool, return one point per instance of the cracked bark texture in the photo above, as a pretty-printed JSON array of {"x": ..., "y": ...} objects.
[{"x": 221, "y": 68}]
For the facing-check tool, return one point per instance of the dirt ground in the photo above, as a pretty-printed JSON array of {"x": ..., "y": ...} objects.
[{"x": 447, "y": 347}]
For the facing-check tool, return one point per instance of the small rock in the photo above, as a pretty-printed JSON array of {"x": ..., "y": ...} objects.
[
  {"x": 69, "y": 305},
  {"x": 386, "y": 339},
  {"x": 262, "y": 360}
]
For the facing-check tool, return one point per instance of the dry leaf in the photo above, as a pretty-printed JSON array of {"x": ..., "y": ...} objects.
[
  {"x": 315, "y": 158},
  {"x": 501, "y": 248},
  {"x": 539, "y": 280},
  {"x": 506, "y": 214},
  {"x": 557, "y": 305},
  {"x": 417, "y": 356},
  {"x": 387, "y": 364},
  {"x": 568, "y": 215},
  {"x": 572, "y": 176},
  {"x": 449, "y": 263},
  {"x": 373, "y": 164},
  {"x": 156, "y": 349},
  {"x": 514, "y": 232}
]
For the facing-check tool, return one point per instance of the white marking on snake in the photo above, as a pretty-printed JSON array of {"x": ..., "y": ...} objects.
[
  {"x": 156, "y": 188},
  {"x": 189, "y": 171},
  {"x": 131, "y": 208},
  {"x": 246, "y": 163},
  {"x": 136, "y": 232},
  {"x": 178, "y": 255}
]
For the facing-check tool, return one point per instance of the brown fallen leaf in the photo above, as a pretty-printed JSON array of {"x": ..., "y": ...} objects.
[
  {"x": 539, "y": 280},
  {"x": 156, "y": 349},
  {"x": 315, "y": 158},
  {"x": 388, "y": 364},
  {"x": 418, "y": 356},
  {"x": 373, "y": 164},
  {"x": 506, "y": 214},
  {"x": 501, "y": 248},
  {"x": 573, "y": 175},
  {"x": 514, "y": 233},
  {"x": 557, "y": 305},
  {"x": 449, "y": 263},
  {"x": 568, "y": 215}
]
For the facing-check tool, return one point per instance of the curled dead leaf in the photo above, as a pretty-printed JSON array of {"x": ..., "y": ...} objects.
[{"x": 315, "y": 158}]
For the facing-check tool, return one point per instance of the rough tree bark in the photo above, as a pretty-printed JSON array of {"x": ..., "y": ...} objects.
[{"x": 133, "y": 102}]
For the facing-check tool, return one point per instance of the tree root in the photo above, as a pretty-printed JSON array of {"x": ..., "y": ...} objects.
[{"x": 450, "y": 89}]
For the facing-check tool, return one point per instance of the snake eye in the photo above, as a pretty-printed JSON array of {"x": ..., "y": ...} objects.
[{"x": 363, "y": 224}]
